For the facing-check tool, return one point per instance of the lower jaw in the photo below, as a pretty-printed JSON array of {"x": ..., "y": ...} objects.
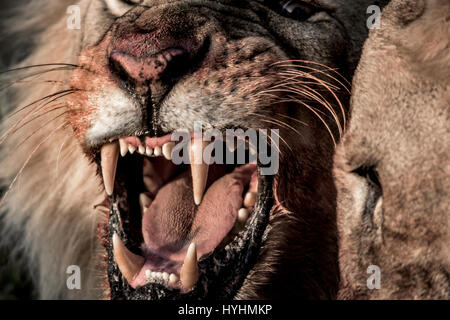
[{"x": 221, "y": 273}]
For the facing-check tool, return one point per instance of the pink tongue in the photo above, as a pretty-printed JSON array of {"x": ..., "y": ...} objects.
[{"x": 173, "y": 221}]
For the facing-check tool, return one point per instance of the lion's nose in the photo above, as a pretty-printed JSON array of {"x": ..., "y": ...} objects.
[{"x": 147, "y": 70}]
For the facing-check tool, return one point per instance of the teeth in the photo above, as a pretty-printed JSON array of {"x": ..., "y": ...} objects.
[
  {"x": 167, "y": 150},
  {"x": 157, "y": 151},
  {"x": 123, "y": 147},
  {"x": 149, "y": 275},
  {"x": 128, "y": 263},
  {"x": 148, "y": 151},
  {"x": 109, "y": 155},
  {"x": 141, "y": 149},
  {"x": 250, "y": 199},
  {"x": 131, "y": 148},
  {"x": 151, "y": 185},
  {"x": 144, "y": 201},
  {"x": 199, "y": 169},
  {"x": 242, "y": 215},
  {"x": 173, "y": 279},
  {"x": 189, "y": 270}
]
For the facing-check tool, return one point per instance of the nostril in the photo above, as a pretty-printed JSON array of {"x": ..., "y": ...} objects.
[{"x": 145, "y": 69}]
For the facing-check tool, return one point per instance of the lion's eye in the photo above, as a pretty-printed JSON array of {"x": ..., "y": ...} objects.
[
  {"x": 120, "y": 7},
  {"x": 296, "y": 9},
  {"x": 370, "y": 174}
]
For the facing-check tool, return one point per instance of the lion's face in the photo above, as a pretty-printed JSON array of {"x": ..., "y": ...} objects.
[
  {"x": 145, "y": 70},
  {"x": 160, "y": 66},
  {"x": 392, "y": 164}
]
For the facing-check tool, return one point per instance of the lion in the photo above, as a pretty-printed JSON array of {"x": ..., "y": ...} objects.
[
  {"x": 135, "y": 225},
  {"x": 392, "y": 166}
]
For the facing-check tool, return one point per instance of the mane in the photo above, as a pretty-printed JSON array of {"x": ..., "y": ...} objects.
[{"x": 49, "y": 186}]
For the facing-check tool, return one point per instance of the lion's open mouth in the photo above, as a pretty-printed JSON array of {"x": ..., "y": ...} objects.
[{"x": 188, "y": 230}]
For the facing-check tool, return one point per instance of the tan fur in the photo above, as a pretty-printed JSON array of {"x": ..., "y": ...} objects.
[
  {"x": 61, "y": 234},
  {"x": 399, "y": 127}
]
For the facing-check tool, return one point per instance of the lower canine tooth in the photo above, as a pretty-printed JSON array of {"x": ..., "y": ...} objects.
[
  {"x": 167, "y": 150},
  {"x": 148, "y": 274},
  {"x": 189, "y": 270},
  {"x": 129, "y": 263},
  {"x": 109, "y": 155},
  {"x": 249, "y": 199}
]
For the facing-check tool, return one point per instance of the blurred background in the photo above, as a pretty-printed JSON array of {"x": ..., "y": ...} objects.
[{"x": 15, "y": 283}]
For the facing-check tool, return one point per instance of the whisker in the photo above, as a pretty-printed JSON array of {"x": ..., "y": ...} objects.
[
  {"x": 326, "y": 85},
  {"x": 317, "y": 97},
  {"x": 273, "y": 143},
  {"x": 41, "y": 127},
  {"x": 39, "y": 66},
  {"x": 282, "y": 140},
  {"x": 313, "y": 93},
  {"x": 278, "y": 122},
  {"x": 318, "y": 64},
  {"x": 30, "y": 156},
  {"x": 32, "y": 111},
  {"x": 58, "y": 157},
  {"x": 316, "y": 112},
  {"x": 33, "y": 75},
  {"x": 53, "y": 108},
  {"x": 35, "y": 81},
  {"x": 42, "y": 99}
]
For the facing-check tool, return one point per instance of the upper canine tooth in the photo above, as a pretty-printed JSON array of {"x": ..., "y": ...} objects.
[
  {"x": 109, "y": 155},
  {"x": 199, "y": 169},
  {"x": 129, "y": 263},
  {"x": 189, "y": 270},
  {"x": 141, "y": 149},
  {"x": 167, "y": 150},
  {"x": 157, "y": 151},
  {"x": 123, "y": 147}
]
